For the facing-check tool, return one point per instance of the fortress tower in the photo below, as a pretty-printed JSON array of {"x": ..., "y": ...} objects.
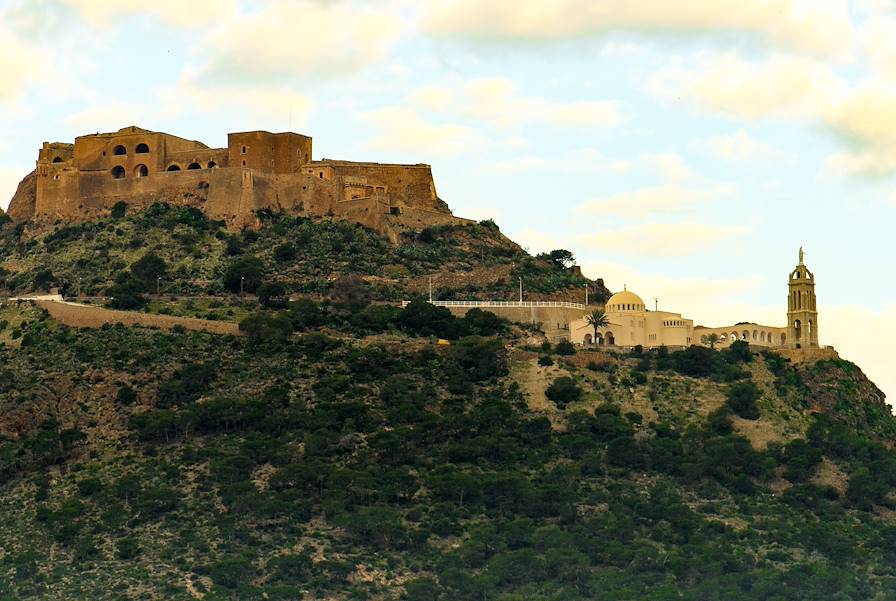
[{"x": 802, "y": 315}]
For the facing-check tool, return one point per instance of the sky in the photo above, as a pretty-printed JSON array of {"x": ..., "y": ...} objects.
[{"x": 685, "y": 149}]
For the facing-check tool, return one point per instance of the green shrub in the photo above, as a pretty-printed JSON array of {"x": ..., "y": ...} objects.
[
  {"x": 272, "y": 295},
  {"x": 545, "y": 360},
  {"x": 742, "y": 397},
  {"x": 565, "y": 347},
  {"x": 118, "y": 210},
  {"x": 563, "y": 390}
]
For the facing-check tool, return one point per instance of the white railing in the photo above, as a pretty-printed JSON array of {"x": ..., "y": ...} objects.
[{"x": 487, "y": 303}]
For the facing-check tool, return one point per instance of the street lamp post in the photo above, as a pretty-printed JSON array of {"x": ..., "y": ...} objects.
[
  {"x": 586, "y": 294},
  {"x": 158, "y": 284},
  {"x": 521, "y": 290},
  {"x": 242, "y": 279}
]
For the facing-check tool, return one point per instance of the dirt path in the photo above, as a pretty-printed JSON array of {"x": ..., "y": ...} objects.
[{"x": 87, "y": 316}]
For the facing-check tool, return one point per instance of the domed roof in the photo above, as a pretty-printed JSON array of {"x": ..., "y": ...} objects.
[{"x": 625, "y": 301}]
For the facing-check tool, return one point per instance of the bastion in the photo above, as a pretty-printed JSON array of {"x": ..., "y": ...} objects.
[{"x": 257, "y": 170}]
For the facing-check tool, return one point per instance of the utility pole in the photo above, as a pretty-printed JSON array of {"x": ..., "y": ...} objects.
[
  {"x": 656, "y": 304},
  {"x": 158, "y": 284},
  {"x": 79, "y": 288},
  {"x": 242, "y": 279},
  {"x": 586, "y": 294},
  {"x": 521, "y": 290},
  {"x": 430, "y": 288}
]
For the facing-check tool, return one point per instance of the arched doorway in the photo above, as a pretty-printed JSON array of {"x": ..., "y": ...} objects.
[
  {"x": 587, "y": 340},
  {"x": 798, "y": 329},
  {"x": 611, "y": 340},
  {"x": 117, "y": 172},
  {"x": 783, "y": 339},
  {"x": 141, "y": 171}
]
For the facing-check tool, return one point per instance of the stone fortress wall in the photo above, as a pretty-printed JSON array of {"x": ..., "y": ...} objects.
[{"x": 258, "y": 170}]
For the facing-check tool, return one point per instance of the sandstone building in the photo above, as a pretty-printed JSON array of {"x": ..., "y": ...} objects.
[
  {"x": 631, "y": 324},
  {"x": 258, "y": 170}
]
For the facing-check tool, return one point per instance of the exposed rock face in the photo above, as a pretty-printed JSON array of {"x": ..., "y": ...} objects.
[
  {"x": 21, "y": 207},
  {"x": 257, "y": 171}
]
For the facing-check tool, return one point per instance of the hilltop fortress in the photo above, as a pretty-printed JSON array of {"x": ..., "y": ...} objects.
[{"x": 258, "y": 170}]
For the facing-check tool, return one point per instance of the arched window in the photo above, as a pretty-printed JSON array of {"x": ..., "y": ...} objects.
[
  {"x": 118, "y": 172},
  {"x": 243, "y": 151},
  {"x": 173, "y": 168},
  {"x": 57, "y": 159},
  {"x": 141, "y": 171},
  {"x": 118, "y": 150},
  {"x": 141, "y": 148},
  {"x": 194, "y": 166},
  {"x": 212, "y": 164}
]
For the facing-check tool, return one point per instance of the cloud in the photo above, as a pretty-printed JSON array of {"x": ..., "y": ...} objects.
[
  {"x": 404, "y": 130},
  {"x": 21, "y": 63},
  {"x": 740, "y": 147},
  {"x": 102, "y": 13},
  {"x": 782, "y": 86},
  {"x": 866, "y": 119},
  {"x": 290, "y": 41},
  {"x": 643, "y": 203},
  {"x": 498, "y": 102},
  {"x": 817, "y": 26},
  {"x": 581, "y": 161},
  {"x": 660, "y": 240}
]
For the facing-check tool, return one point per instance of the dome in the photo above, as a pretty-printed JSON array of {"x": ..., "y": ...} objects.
[{"x": 625, "y": 301}]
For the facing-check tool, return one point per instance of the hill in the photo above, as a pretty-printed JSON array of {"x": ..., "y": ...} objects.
[{"x": 338, "y": 451}]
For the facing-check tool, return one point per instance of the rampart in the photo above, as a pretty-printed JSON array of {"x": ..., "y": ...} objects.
[{"x": 258, "y": 170}]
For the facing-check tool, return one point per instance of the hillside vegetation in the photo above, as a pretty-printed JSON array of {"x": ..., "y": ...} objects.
[
  {"x": 195, "y": 256},
  {"x": 327, "y": 456}
]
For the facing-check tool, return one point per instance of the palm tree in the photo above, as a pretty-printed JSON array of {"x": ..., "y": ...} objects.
[
  {"x": 597, "y": 319},
  {"x": 712, "y": 340}
]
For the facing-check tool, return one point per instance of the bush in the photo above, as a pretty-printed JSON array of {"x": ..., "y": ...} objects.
[
  {"x": 565, "y": 347},
  {"x": 126, "y": 295},
  {"x": 425, "y": 319},
  {"x": 272, "y": 295},
  {"x": 147, "y": 270},
  {"x": 266, "y": 328},
  {"x": 563, "y": 390},
  {"x": 545, "y": 360},
  {"x": 285, "y": 252},
  {"x": 484, "y": 323},
  {"x": 126, "y": 396},
  {"x": 119, "y": 209},
  {"x": 247, "y": 270},
  {"x": 742, "y": 398},
  {"x": 304, "y": 313}
]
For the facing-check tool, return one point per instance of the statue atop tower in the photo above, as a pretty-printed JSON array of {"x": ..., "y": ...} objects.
[{"x": 802, "y": 313}]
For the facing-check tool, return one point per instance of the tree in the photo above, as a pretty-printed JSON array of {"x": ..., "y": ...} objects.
[
  {"x": 562, "y": 258},
  {"x": 597, "y": 319},
  {"x": 119, "y": 209},
  {"x": 247, "y": 270},
  {"x": 285, "y": 252},
  {"x": 147, "y": 269},
  {"x": 712, "y": 340},
  {"x": 272, "y": 295},
  {"x": 350, "y": 294}
]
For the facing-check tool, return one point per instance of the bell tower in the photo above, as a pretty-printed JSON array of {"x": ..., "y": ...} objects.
[{"x": 802, "y": 315}]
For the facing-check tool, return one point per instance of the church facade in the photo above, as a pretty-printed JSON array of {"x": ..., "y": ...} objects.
[{"x": 631, "y": 324}]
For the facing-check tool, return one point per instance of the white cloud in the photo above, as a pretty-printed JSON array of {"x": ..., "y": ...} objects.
[
  {"x": 498, "y": 102},
  {"x": 818, "y": 26},
  {"x": 867, "y": 120},
  {"x": 404, "y": 130},
  {"x": 581, "y": 161},
  {"x": 740, "y": 147},
  {"x": 20, "y": 64},
  {"x": 294, "y": 41},
  {"x": 103, "y": 13},
  {"x": 660, "y": 240},
  {"x": 643, "y": 203},
  {"x": 783, "y": 86}
]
